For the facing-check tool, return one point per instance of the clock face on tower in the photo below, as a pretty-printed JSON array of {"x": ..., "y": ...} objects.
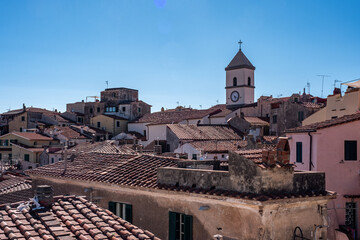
[{"x": 234, "y": 96}]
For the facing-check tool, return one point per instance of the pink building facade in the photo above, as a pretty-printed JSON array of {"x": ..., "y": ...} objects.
[{"x": 333, "y": 147}]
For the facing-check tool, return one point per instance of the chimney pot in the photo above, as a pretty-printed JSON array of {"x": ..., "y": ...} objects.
[{"x": 45, "y": 195}]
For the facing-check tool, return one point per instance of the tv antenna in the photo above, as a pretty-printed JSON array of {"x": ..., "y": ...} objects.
[
  {"x": 336, "y": 81},
  {"x": 217, "y": 101},
  {"x": 322, "y": 82},
  {"x": 177, "y": 103},
  {"x": 308, "y": 86},
  {"x": 107, "y": 84},
  {"x": 200, "y": 106}
]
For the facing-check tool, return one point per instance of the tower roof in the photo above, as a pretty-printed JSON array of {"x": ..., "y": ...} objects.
[{"x": 239, "y": 61}]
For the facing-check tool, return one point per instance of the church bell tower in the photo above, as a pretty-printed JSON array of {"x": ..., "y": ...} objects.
[{"x": 240, "y": 83}]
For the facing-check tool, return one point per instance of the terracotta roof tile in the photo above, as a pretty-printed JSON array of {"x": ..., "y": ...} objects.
[
  {"x": 69, "y": 218},
  {"x": 325, "y": 124},
  {"x": 203, "y": 132},
  {"x": 14, "y": 188},
  {"x": 170, "y": 117},
  {"x": 32, "y": 136},
  {"x": 219, "y": 146}
]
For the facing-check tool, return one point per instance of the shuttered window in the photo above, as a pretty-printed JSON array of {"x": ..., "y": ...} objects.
[
  {"x": 350, "y": 150},
  {"x": 180, "y": 226},
  {"x": 122, "y": 210},
  {"x": 27, "y": 157},
  {"x": 299, "y": 152}
]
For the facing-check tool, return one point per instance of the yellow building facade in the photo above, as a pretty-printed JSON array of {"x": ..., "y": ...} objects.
[
  {"x": 24, "y": 147},
  {"x": 109, "y": 123},
  {"x": 337, "y": 106}
]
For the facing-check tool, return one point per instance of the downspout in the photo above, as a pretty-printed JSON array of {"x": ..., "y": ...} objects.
[{"x": 310, "y": 158}]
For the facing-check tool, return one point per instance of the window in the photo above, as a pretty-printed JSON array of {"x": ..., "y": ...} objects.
[
  {"x": 296, "y": 99},
  {"x": 274, "y": 119},
  {"x": 1, "y": 143},
  {"x": 139, "y": 110},
  {"x": 122, "y": 210},
  {"x": 144, "y": 133},
  {"x": 110, "y": 109},
  {"x": 52, "y": 160},
  {"x": 6, "y": 142},
  {"x": 114, "y": 94},
  {"x": 21, "y": 129},
  {"x": 23, "y": 118},
  {"x": 333, "y": 117},
  {"x": 299, "y": 152},
  {"x": 80, "y": 119},
  {"x": 180, "y": 226},
  {"x": 300, "y": 116},
  {"x": 91, "y": 110},
  {"x": 350, "y": 150},
  {"x": 123, "y": 109},
  {"x": 98, "y": 124},
  {"x": 249, "y": 81},
  {"x": 117, "y": 123},
  {"x": 0, "y": 156},
  {"x": 234, "y": 81},
  {"x": 98, "y": 109},
  {"x": 35, "y": 143},
  {"x": 350, "y": 214},
  {"x": 194, "y": 157},
  {"x": 10, "y": 156},
  {"x": 26, "y": 157}
]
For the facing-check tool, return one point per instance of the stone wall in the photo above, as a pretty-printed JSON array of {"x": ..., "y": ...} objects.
[
  {"x": 118, "y": 95},
  {"x": 245, "y": 176}
]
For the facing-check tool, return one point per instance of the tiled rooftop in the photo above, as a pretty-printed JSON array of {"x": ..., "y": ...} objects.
[
  {"x": 255, "y": 121},
  {"x": 14, "y": 188},
  {"x": 32, "y": 136},
  {"x": 130, "y": 170},
  {"x": 69, "y": 133},
  {"x": 325, "y": 124},
  {"x": 140, "y": 171},
  {"x": 203, "y": 132},
  {"x": 68, "y": 218},
  {"x": 170, "y": 117},
  {"x": 219, "y": 146}
]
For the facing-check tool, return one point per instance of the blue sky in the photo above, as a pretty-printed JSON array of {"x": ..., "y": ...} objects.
[{"x": 57, "y": 52}]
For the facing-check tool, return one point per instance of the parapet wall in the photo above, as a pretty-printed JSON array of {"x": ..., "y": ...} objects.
[{"x": 246, "y": 176}]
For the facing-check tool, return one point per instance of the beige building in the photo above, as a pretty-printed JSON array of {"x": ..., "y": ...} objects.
[
  {"x": 24, "y": 148},
  {"x": 337, "y": 105},
  {"x": 249, "y": 199},
  {"x": 110, "y": 123}
]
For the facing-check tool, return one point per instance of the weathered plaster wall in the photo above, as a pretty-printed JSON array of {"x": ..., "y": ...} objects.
[{"x": 238, "y": 218}]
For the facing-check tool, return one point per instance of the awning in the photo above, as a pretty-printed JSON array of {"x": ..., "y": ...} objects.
[{"x": 353, "y": 84}]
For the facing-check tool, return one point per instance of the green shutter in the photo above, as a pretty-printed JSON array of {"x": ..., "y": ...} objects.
[
  {"x": 112, "y": 207},
  {"x": 299, "y": 152},
  {"x": 188, "y": 227},
  {"x": 172, "y": 225},
  {"x": 128, "y": 212}
]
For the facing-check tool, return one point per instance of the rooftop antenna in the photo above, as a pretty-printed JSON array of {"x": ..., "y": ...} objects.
[
  {"x": 240, "y": 42},
  {"x": 177, "y": 103},
  {"x": 336, "y": 81},
  {"x": 308, "y": 86},
  {"x": 107, "y": 84},
  {"x": 322, "y": 83},
  {"x": 217, "y": 101},
  {"x": 200, "y": 106}
]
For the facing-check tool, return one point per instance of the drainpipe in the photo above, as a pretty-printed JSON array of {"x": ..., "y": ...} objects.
[{"x": 310, "y": 163}]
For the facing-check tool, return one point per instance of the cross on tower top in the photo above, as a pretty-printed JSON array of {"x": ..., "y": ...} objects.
[{"x": 240, "y": 42}]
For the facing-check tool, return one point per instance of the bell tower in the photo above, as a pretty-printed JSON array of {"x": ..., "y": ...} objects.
[{"x": 240, "y": 83}]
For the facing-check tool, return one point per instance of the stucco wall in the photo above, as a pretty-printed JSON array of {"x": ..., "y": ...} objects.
[{"x": 328, "y": 153}]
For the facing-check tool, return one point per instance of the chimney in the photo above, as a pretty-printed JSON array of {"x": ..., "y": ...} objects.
[
  {"x": 45, "y": 195},
  {"x": 81, "y": 130}
]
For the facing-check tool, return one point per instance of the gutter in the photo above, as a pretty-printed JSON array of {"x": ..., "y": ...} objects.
[{"x": 310, "y": 157}]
